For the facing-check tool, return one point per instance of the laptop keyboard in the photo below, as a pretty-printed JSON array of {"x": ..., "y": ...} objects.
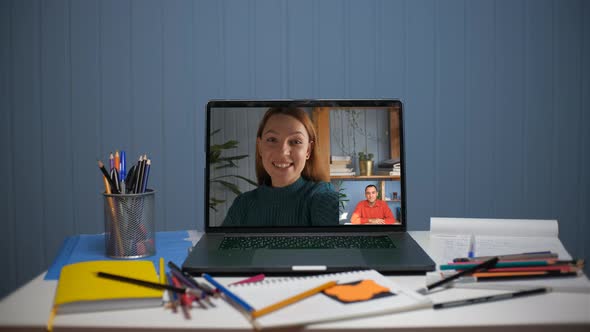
[{"x": 306, "y": 242}]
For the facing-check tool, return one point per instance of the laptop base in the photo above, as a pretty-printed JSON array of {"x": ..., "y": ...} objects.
[{"x": 407, "y": 258}]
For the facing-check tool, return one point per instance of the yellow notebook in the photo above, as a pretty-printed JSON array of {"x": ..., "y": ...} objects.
[{"x": 79, "y": 289}]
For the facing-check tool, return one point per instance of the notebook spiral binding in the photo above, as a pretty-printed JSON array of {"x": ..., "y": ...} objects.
[{"x": 291, "y": 279}]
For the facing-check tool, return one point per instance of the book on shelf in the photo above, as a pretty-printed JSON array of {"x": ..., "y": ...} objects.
[
  {"x": 337, "y": 173},
  {"x": 79, "y": 289},
  {"x": 388, "y": 172},
  {"x": 341, "y": 162},
  {"x": 389, "y": 163},
  {"x": 340, "y": 169},
  {"x": 356, "y": 294},
  {"x": 340, "y": 159}
]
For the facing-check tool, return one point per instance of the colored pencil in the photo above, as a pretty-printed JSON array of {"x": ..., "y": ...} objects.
[
  {"x": 144, "y": 283},
  {"x": 485, "y": 265},
  {"x": 462, "y": 266},
  {"x": 236, "y": 299},
  {"x": 293, "y": 299}
]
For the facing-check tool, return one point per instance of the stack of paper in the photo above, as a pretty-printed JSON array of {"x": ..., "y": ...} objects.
[{"x": 452, "y": 238}]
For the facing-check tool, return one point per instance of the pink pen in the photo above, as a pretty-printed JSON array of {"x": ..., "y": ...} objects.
[{"x": 258, "y": 277}]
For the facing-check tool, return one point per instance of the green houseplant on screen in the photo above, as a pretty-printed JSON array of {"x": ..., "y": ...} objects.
[{"x": 217, "y": 161}]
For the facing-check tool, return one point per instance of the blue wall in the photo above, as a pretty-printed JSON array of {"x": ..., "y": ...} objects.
[{"x": 496, "y": 94}]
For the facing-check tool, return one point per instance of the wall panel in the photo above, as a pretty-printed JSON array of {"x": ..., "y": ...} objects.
[
  {"x": 8, "y": 247},
  {"x": 86, "y": 118},
  {"x": 419, "y": 113},
  {"x": 27, "y": 130},
  {"x": 495, "y": 96},
  {"x": 56, "y": 117}
]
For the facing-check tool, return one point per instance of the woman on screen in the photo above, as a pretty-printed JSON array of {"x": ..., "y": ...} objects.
[{"x": 294, "y": 188}]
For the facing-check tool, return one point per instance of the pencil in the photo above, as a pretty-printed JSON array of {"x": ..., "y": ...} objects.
[
  {"x": 291, "y": 300},
  {"x": 485, "y": 265},
  {"x": 173, "y": 295},
  {"x": 162, "y": 271},
  {"x": 144, "y": 283},
  {"x": 229, "y": 293},
  {"x": 463, "y": 266},
  {"x": 107, "y": 189}
]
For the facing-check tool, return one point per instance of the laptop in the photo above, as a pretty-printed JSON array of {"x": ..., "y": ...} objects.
[{"x": 316, "y": 230}]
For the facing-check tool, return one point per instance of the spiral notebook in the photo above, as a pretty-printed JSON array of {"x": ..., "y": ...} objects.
[{"x": 358, "y": 294}]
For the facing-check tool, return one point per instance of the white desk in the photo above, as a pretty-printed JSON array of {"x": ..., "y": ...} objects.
[{"x": 27, "y": 309}]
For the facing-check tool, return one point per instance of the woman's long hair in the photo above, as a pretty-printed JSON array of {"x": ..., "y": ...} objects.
[{"x": 314, "y": 169}]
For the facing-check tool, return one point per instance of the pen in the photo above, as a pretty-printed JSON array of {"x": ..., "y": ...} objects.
[
  {"x": 490, "y": 298},
  {"x": 485, "y": 265},
  {"x": 256, "y": 278},
  {"x": 146, "y": 175},
  {"x": 228, "y": 293},
  {"x": 115, "y": 178},
  {"x": 123, "y": 170},
  {"x": 106, "y": 174},
  {"x": 138, "y": 175},
  {"x": 500, "y": 276},
  {"x": 129, "y": 178},
  {"x": 505, "y": 275},
  {"x": 293, "y": 299},
  {"x": 471, "y": 252}
]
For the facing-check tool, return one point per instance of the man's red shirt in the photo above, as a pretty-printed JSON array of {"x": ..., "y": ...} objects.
[{"x": 379, "y": 210}]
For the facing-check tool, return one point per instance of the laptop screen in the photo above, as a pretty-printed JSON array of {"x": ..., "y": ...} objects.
[{"x": 305, "y": 164}]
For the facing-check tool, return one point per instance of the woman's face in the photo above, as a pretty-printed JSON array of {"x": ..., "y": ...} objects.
[{"x": 284, "y": 148}]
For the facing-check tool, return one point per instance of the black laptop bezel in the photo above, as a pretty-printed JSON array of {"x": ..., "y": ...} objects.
[{"x": 307, "y": 103}]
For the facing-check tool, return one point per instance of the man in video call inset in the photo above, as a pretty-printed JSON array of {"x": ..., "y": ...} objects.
[{"x": 372, "y": 210}]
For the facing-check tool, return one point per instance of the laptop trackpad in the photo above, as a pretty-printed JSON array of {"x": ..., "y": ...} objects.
[{"x": 304, "y": 257}]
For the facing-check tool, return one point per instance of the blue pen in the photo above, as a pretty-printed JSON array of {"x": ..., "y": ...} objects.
[
  {"x": 471, "y": 252},
  {"x": 228, "y": 293},
  {"x": 146, "y": 175},
  {"x": 122, "y": 167}
]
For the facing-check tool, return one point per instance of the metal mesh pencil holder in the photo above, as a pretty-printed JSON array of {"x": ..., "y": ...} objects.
[{"x": 130, "y": 225}]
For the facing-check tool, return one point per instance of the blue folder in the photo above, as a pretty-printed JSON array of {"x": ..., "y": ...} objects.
[{"x": 173, "y": 246}]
